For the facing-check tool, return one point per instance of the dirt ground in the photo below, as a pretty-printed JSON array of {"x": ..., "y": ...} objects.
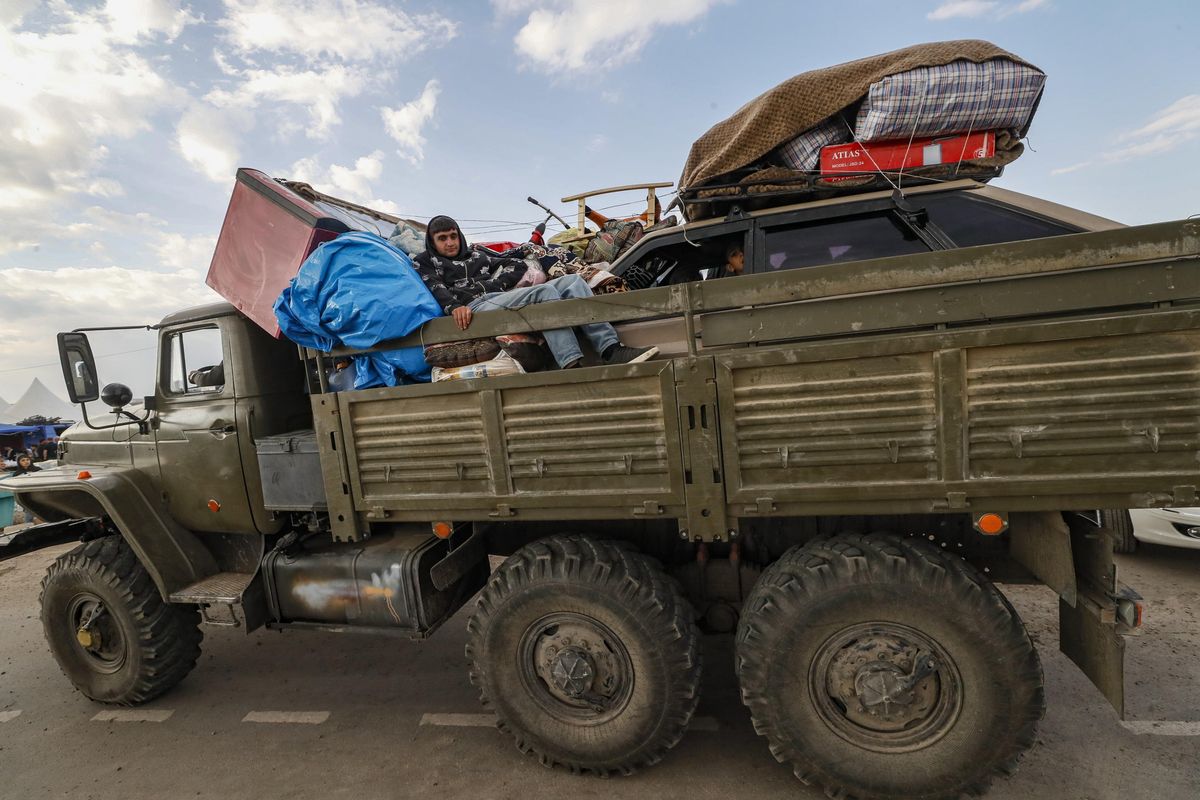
[{"x": 372, "y": 717}]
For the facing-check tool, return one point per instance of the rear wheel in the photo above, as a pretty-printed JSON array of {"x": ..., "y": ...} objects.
[
  {"x": 587, "y": 653},
  {"x": 109, "y": 629},
  {"x": 882, "y": 667},
  {"x": 1119, "y": 525}
]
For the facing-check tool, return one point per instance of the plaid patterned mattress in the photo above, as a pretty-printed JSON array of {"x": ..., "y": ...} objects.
[{"x": 958, "y": 97}]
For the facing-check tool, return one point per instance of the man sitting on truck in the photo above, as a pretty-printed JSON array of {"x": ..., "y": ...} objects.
[{"x": 464, "y": 280}]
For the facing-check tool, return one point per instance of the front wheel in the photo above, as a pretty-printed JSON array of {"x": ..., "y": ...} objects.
[
  {"x": 109, "y": 629},
  {"x": 882, "y": 667},
  {"x": 588, "y": 654}
]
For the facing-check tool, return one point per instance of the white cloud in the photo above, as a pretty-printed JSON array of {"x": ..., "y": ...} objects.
[
  {"x": 962, "y": 8},
  {"x": 349, "y": 183},
  {"x": 1167, "y": 130},
  {"x": 179, "y": 252},
  {"x": 345, "y": 30},
  {"x": 582, "y": 34},
  {"x": 208, "y": 140},
  {"x": 1180, "y": 119},
  {"x": 131, "y": 20},
  {"x": 404, "y": 124},
  {"x": 318, "y": 91},
  {"x": 11, "y": 11},
  {"x": 970, "y": 9},
  {"x": 74, "y": 82},
  {"x": 36, "y": 303},
  {"x": 109, "y": 293},
  {"x": 315, "y": 55}
]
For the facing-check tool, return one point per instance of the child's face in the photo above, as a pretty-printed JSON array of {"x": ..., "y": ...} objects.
[{"x": 736, "y": 262}]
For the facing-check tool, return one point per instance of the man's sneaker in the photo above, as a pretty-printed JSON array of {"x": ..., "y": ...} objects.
[{"x": 620, "y": 354}]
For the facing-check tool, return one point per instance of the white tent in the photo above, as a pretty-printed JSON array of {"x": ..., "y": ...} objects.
[
  {"x": 39, "y": 400},
  {"x": 3, "y": 410}
]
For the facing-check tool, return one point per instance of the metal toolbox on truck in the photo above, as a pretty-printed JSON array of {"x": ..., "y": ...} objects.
[{"x": 290, "y": 466}]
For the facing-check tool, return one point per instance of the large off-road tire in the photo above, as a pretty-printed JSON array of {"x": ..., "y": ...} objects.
[
  {"x": 1120, "y": 526},
  {"x": 136, "y": 646},
  {"x": 588, "y": 654},
  {"x": 831, "y": 650}
]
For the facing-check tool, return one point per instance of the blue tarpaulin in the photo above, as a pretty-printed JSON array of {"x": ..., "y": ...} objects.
[{"x": 356, "y": 291}]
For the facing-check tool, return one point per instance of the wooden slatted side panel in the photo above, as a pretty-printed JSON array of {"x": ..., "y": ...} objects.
[
  {"x": 580, "y": 443},
  {"x": 865, "y": 422},
  {"x": 420, "y": 446},
  {"x": 613, "y": 435},
  {"x": 1105, "y": 407}
]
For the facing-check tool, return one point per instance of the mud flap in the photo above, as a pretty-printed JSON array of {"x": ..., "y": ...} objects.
[
  {"x": 458, "y": 562},
  {"x": 1095, "y": 646},
  {"x": 1089, "y": 629}
]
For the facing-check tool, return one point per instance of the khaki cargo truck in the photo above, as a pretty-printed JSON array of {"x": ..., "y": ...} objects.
[{"x": 835, "y": 457}]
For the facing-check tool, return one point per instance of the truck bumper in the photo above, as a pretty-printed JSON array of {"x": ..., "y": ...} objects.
[{"x": 37, "y": 537}]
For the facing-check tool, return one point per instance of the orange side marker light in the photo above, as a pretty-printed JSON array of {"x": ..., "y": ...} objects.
[
  {"x": 991, "y": 524},
  {"x": 83, "y": 475},
  {"x": 214, "y": 506},
  {"x": 442, "y": 530}
]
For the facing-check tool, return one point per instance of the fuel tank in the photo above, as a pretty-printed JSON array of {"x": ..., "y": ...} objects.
[{"x": 386, "y": 582}]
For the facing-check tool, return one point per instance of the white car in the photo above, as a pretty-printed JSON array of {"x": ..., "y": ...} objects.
[{"x": 1176, "y": 527}]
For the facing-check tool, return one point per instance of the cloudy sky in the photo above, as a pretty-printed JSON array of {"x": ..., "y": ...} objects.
[{"x": 124, "y": 121}]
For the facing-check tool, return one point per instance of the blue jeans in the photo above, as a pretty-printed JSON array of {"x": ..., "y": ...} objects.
[{"x": 562, "y": 341}]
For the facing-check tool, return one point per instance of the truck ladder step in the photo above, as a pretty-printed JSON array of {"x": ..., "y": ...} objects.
[{"x": 224, "y": 587}]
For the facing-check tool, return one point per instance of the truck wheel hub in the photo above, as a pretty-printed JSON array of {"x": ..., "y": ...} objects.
[
  {"x": 572, "y": 672},
  {"x": 101, "y": 644},
  {"x": 578, "y": 669},
  {"x": 886, "y": 687}
]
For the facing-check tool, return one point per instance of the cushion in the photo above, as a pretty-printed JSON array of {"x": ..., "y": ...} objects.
[{"x": 461, "y": 354}]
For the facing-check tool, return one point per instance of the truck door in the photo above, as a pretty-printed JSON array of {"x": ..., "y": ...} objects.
[{"x": 197, "y": 433}]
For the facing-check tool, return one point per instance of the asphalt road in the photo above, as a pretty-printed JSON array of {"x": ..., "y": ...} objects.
[{"x": 310, "y": 715}]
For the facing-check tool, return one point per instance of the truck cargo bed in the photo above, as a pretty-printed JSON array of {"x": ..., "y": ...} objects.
[{"x": 1002, "y": 378}]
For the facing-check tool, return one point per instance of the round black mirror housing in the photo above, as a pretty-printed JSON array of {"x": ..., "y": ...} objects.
[{"x": 116, "y": 395}]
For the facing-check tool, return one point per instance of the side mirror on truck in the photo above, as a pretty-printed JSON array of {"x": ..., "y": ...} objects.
[
  {"x": 79, "y": 373},
  {"x": 79, "y": 367}
]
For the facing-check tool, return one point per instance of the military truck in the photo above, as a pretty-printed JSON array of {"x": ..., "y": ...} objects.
[{"x": 835, "y": 462}]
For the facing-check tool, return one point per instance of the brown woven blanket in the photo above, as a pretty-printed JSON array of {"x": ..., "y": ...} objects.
[{"x": 799, "y": 103}]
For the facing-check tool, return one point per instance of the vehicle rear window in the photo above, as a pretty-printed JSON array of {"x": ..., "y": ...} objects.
[
  {"x": 970, "y": 221},
  {"x": 834, "y": 241}
]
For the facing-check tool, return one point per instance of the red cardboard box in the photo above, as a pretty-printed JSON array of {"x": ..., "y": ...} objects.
[
  {"x": 268, "y": 232},
  {"x": 854, "y": 158}
]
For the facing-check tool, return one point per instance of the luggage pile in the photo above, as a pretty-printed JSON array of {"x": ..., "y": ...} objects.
[{"x": 930, "y": 112}]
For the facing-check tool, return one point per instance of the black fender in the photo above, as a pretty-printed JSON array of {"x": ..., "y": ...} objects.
[{"x": 174, "y": 556}]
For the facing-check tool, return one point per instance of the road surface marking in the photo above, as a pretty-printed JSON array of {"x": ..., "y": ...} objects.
[
  {"x": 288, "y": 717},
  {"x": 133, "y": 715},
  {"x": 1163, "y": 728},
  {"x": 703, "y": 724},
  {"x": 460, "y": 720},
  {"x": 8, "y": 716}
]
